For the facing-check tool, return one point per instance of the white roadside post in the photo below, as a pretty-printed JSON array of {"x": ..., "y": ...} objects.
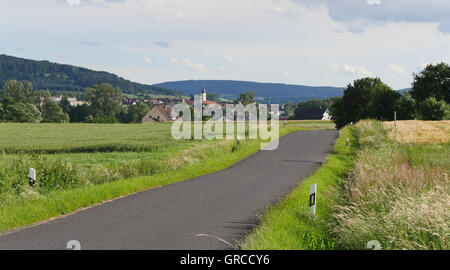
[
  {"x": 32, "y": 176},
  {"x": 347, "y": 142},
  {"x": 312, "y": 199},
  {"x": 395, "y": 127}
]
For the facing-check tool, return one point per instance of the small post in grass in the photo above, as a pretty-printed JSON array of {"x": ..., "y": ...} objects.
[
  {"x": 238, "y": 142},
  {"x": 347, "y": 142},
  {"x": 312, "y": 199},
  {"x": 395, "y": 126},
  {"x": 32, "y": 177}
]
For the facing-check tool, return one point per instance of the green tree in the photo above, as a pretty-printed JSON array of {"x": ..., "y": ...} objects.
[
  {"x": 52, "y": 112},
  {"x": 23, "y": 113},
  {"x": 2, "y": 112},
  {"x": 406, "y": 107},
  {"x": 433, "y": 81},
  {"x": 17, "y": 91},
  {"x": 433, "y": 109},
  {"x": 383, "y": 102},
  {"x": 246, "y": 98},
  {"x": 337, "y": 110},
  {"x": 41, "y": 98},
  {"x": 134, "y": 114},
  {"x": 79, "y": 114},
  {"x": 105, "y": 101},
  {"x": 366, "y": 98},
  {"x": 65, "y": 104}
]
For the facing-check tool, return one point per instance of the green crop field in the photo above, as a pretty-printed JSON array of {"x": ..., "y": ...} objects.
[{"x": 84, "y": 138}]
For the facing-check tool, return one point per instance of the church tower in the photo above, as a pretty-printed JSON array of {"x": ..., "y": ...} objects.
[{"x": 203, "y": 94}]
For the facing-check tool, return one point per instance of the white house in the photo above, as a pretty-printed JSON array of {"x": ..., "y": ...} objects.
[{"x": 327, "y": 116}]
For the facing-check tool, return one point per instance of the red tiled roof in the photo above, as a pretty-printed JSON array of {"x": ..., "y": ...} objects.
[{"x": 209, "y": 102}]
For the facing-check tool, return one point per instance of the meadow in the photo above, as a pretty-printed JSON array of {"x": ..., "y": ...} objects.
[
  {"x": 398, "y": 195},
  {"x": 79, "y": 165}
]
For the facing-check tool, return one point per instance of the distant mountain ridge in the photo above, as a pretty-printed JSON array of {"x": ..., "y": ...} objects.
[
  {"x": 54, "y": 76},
  {"x": 276, "y": 92}
]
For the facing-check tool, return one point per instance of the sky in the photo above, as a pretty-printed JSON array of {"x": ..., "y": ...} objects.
[{"x": 309, "y": 42}]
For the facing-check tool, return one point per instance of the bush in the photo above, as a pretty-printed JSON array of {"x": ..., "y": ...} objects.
[{"x": 433, "y": 109}]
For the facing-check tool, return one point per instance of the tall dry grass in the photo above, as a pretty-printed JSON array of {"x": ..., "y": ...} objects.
[
  {"x": 388, "y": 198},
  {"x": 415, "y": 131}
]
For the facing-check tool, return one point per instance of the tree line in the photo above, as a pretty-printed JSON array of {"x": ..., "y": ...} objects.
[
  {"x": 54, "y": 76},
  {"x": 20, "y": 103},
  {"x": 428, "y": 99}
]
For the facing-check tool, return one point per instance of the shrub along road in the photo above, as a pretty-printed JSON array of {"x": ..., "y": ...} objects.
[{"x": 225, "y": 204}]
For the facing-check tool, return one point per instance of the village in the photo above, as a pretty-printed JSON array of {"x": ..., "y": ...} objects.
[{"x": 162, "y": 109}]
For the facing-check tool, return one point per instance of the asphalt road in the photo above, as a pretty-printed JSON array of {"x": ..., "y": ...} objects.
[{"x": 225, "y": 204}]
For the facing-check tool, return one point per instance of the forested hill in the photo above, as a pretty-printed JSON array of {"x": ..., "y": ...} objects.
[
  {"x": 277, "y": 92},
  {"x": 53, "y": 76}
]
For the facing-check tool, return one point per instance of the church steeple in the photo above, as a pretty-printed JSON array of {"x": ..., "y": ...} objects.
[{"x": 203, "y": 94}]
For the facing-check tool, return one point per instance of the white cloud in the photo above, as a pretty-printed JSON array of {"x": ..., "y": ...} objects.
[
  {"x": 230, "y": 60},
  {"x": 285, "y": 8},
  {"x": 374, "y": 2},
  {"x": 359, "y": 71},
  {"x": 147, "y": 60},
  {"x": 287, "y": 74},
  {"x": 173, "y": 60},
  {"x": 193, "y": 65},
  {"x": 334, "y": 67},
  {"x": 73, "y": 2},
  {"x": 396, "y": 68}
]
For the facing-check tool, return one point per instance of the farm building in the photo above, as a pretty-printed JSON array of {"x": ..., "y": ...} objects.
[
  {"x": 327, "y": 116},
  {"x": 160, "y": 113}
]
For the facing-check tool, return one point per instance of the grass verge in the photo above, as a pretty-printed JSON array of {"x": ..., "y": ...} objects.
[{"x": 288, "y": 224}]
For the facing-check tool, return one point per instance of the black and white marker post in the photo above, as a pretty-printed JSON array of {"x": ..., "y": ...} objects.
[
  {"x": 32, "y": 177},
  {"x": 312, "y": 199}
]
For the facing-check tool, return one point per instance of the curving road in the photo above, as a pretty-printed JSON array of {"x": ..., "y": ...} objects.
[{"x": 225, "y": 204}]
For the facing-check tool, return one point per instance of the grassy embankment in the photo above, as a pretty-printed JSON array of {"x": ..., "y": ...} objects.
[
  {"x": 82, "y": 165},
  {"x": 397, "y": 195}
]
